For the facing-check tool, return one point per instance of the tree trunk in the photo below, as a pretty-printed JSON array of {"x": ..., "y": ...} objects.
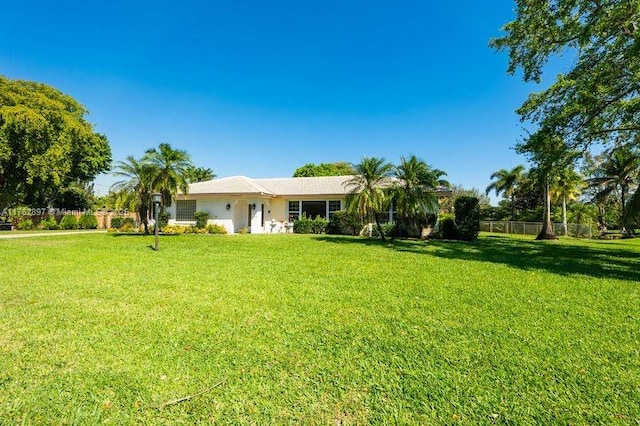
[
  {"x": 623, "y": 216},
  {"x": 547, "y": 228},
  {"x": 377, "y": 219},
  {"x": 564, "y": 216},
  {"x": 513, "y": 208}
]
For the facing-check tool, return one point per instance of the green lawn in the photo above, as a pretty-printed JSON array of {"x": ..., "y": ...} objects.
[{"x": 318, "y": 330}]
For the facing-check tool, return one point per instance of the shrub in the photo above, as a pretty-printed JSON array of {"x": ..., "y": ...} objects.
[
  {"x": 25, "y": 225},
  {"x": 448, "y": 228},
  {"x": 201, "y": 218},
  {"x": 128, "y": 221},
  {"x": 305, "y": 225},
  {"x": 116, "y": 222},
  {"x": 49, "y": 223},
  {"x": 87, "y": 221},
  {"x": 344, "y": 223},
  {"x": 68, "y": 221},
  {"x": 163, "y": 218},
  {"x": 127, "y": 227},
  {"x": 388, "y": 228},
  {"x": 467, "y": 219},
  {"x": 244, "y": 230},
  {"x": 216, "y": 229}
]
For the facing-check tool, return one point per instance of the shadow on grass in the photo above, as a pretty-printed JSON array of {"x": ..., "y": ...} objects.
[{"x": 600, "y": 261}]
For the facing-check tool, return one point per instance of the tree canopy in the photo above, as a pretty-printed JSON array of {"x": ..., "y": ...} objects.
[
  {"x": 598, "y": 98},
  {"x": 46, "y": 143},
  {"x": 339, "y": 168}
]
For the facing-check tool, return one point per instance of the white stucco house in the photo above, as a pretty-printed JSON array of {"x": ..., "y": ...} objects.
[{"x": 261, "y": 205}]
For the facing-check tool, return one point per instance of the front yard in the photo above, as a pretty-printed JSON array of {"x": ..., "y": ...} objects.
[{"x": 329, "y": 330}]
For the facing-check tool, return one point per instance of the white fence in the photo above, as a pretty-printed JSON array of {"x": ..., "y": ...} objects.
[{"x": 578, "y": 230}]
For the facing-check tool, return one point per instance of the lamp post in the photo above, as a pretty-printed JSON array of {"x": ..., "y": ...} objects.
[{"x": 156, "y": 206}]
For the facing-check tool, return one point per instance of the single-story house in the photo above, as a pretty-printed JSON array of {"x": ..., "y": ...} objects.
[{"x": 261, "y": 205}]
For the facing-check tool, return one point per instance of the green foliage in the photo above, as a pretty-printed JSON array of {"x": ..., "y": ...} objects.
[
  {"x": 596, "y": 99},
  {"x": 49, "y": 223},
  {"x": 129, "y": 222},
  {"x": 467, "y": 218},
  {"x": 201, "y": 218},
  {"x": 344, "y": 223},
  {"x": 339, "y": 168},
  {"x": 87, "y": 221},
  {"x": 46, "y": 143},
  {"x": 169, "y": 168},
  {"x": 388, "y": 228},
  {"x": 448, "y": 229},
  {"x": 116, "y": 222},
  {"x": 306, "y": 225},
  {"x": 163, "y": 218},
  {"x": 216, "y": 228},
  {"x": 68, "y": 221},
  {"x": 25, "y": 225},
  {"x": 198, "y": 174}
]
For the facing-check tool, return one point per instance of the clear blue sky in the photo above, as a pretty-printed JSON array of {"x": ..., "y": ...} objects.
[{"x": 261, "y": 88}]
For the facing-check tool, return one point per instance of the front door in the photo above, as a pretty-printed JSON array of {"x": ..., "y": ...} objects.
[{"x": 249, "y": 217}]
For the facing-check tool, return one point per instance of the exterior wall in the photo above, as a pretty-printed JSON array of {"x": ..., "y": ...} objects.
[{"x": 275, "y": 212}]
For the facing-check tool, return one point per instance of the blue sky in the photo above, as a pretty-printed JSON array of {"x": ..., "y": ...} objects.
[{"x": 261, "y": 88}]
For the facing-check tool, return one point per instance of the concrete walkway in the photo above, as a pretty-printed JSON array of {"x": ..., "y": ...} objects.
[{"x": 50, "y": 234}]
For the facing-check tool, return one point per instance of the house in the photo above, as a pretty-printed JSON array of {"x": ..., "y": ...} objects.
[{"x": 261, "y": 205}]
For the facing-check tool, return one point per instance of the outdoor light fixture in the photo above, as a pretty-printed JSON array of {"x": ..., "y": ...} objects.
[
  {"x": 228, "y": 206},
  {"x": 156, "y": 197},
  {"x": 253, "y": 206}
]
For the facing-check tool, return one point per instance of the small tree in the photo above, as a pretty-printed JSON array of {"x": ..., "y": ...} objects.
[
  {"x": 467, "y": 218},
  {"x": 201, "y": 218}
]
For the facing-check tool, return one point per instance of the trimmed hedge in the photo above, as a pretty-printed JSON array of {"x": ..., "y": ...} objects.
[
  {"x": 467, "y": 219},
  {"x": 344, "y": 223},
  {"x": 68, "y": 221},
  {"x": 87, "y": 221}
]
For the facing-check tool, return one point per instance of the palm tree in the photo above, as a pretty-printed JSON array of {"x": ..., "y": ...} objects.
[
  {"x": 414, "y": 192},
  {"x": 566, "y": 187},
  {"x": 198, "y": 174},
  {"x": 138, "y": 180},
  {"x": 368, "y": 195},
  {"x": 170, "y": 167},
  {"x": 617, "y": 174},
  {"x": 506, "y": 182}
]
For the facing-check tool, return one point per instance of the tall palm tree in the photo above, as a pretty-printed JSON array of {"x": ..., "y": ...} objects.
[
  {"x": 170, "y": 167},
  {"x": 506, "y": 182},
  {"x": 617, "y": 174},
  {"x": 368, "y": 189},
  {"x": 138, "y": 180},
  {"x": 414, "y": 192},
  {"x": 198, "y": 174},
  {"x": 566, "y": 187}
]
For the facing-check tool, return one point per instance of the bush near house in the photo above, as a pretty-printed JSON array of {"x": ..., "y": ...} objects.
[
  {"x": 116, "y": 222},
  {"x": 201, "y": 218},
  {"x": 447, "y": 227},
  {"x": 305, "y": 225},
  {"x": 216, "y": 229},
  {"x": 87, "y": 221},
  {"x": 68, "y": 221},
  {"x": 25, "y": 225},
  {"x": 467, "y": 218},
  {"x": 49, "y": 223},
  {"x": 344, "y": 223}
]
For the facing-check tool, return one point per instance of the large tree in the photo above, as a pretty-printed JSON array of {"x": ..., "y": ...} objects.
[
  {"x": 368, "y": 189},
  {"x": 598, "y": 98},
  {"x": 46, "y": 143},
  {"x": 414, "y": 193},
  {"x": 505, "y": 182},
  {"x": 339, "y": 168}
]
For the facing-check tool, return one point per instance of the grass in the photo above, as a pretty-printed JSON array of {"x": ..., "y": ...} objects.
[{"x": 318, "y": 330}]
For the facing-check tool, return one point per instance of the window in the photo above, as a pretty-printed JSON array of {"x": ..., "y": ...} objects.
[
  {"x": 185, "y": 210},
  {"x": 334, "y": 206},
  {"x": 294, "y": 210},
  {"x": 313, "y": 209}
]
